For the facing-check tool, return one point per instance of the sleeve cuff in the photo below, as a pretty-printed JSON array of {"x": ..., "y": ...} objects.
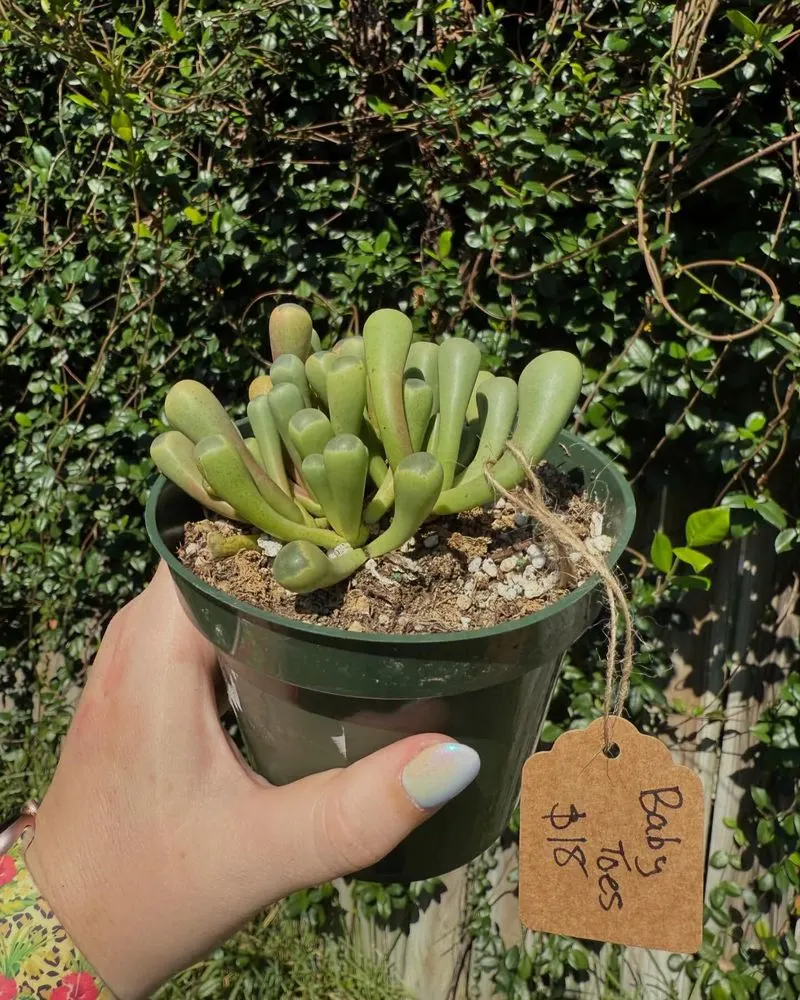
[{"x": 37, "y": 956}]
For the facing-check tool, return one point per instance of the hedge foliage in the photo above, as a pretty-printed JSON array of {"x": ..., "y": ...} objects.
[
  {"x": 167, "y": 172},
  {"x": 533, "y": 175}
]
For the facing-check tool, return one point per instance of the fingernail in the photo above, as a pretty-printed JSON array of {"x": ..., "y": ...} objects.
[{"x": 439, "y": 773}]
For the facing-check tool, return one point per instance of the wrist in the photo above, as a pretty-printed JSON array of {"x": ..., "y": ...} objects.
[{"x": 69, "y": 878}]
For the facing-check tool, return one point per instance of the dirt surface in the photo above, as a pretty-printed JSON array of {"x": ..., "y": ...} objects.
[{"x": 464, "y": 571}]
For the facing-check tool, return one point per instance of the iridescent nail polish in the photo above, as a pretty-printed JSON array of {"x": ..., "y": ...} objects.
[{"x": 439, "y": 773}]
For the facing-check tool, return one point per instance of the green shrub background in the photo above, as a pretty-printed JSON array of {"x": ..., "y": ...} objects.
[{"x": 530, "y": 176}]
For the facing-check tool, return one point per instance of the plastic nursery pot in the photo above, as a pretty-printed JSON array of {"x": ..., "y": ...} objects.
[{"x": 309, "y": 698}]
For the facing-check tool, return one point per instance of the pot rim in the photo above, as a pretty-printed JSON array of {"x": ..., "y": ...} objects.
[{"x": 565, "y": 440}]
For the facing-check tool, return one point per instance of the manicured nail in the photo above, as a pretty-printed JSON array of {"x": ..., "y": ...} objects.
[{"x": 439, "y": 773}]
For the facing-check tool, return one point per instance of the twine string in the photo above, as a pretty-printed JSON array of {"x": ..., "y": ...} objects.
[{"x": 533, "y": 503}]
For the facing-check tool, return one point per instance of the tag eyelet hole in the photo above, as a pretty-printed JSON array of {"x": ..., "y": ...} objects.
[{"x": 612, "y": 751}]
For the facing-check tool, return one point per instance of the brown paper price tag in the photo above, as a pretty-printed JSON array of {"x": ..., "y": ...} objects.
[{"x": 612, "y": 849}]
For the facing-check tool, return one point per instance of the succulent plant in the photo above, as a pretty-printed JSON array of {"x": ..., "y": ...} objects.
[{"x": 354, "y": 448}]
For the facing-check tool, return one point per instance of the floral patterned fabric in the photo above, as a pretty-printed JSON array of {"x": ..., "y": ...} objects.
[{"x": 38, "y": 961}]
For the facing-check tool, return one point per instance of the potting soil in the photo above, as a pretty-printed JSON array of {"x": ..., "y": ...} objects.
[{"x": 465, "y": 571}]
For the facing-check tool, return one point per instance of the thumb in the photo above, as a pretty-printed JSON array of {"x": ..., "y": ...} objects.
[{"x": 339, "y": 822}]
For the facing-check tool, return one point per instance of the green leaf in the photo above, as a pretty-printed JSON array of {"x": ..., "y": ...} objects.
[
  {"x": 382, "y": 242},
  {"x": 534, "y": 137},
  {"x": 82, "y": 101},
  {"x": 697, "y": 560},
  {"x": 760, "y": 348},
  {"x": 760, "y": 797},
  {"x": 772, "y": 513},
  {"x": 742, "y": 23},
  {"x": 762, "y": 929},
  {"x": 771, "y": 174},
  {"x": 739, "y": 501},
  {"x": 641, "y": 353},
  {"x": 437, "y": 64},
  {"x": 692, "y": 582},
  {"x": 781, "y": 33},
  {"x": 578, "y": 960},
  {"x": 550, "y": 732},
  {"x": 765, "y": 831},
  {"x": 42, "y": 156},
  {"x": 192, "y": 214},
  {"x": 445, "y": 243},
  {"x": 786, "y": 540},
  {"x": 615, "y": 43},
  {"x": 122, "y": 29},
  {"x": 661, "y": 552},
  {"x": 380, "y": 107},
  {"x": 170, "y": 26},
  {"x": 624, "y": 187},
  {"x": 707, "y": 527},
  {"x": 766, "y": 882},
  {"x": 755, "y": 422},
  {"x": 121, "y": 125},
  {"x": 706, "y": 85}
]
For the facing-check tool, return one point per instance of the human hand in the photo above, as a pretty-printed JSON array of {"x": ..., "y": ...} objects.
[{"x": 155, "y": 841}]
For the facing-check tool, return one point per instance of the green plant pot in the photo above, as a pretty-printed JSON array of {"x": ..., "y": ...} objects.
[{"x": 309, "y": 698}]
